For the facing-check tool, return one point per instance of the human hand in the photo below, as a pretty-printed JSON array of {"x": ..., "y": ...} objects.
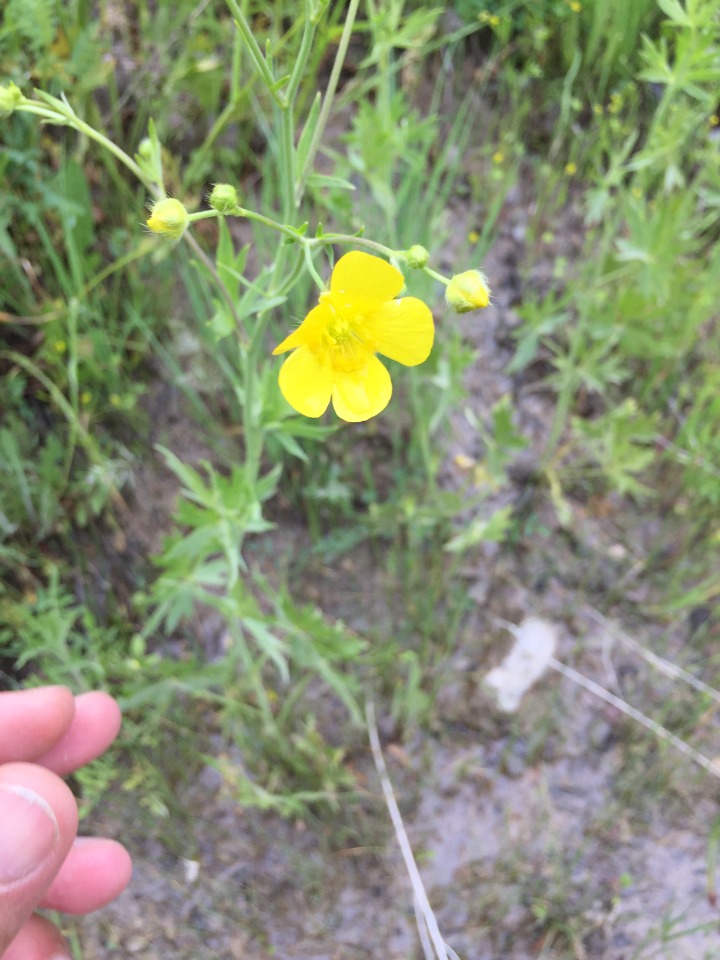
[{"x": 46, "y": 733}]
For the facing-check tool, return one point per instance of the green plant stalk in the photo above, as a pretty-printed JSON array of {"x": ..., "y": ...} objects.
[
  {"x": 60, "y": 401},
  {"x": 578, "y": 339},
  {"x": 327, "y": 102},
  {"x": 254, "y": 51},
  {"x": 328, "y": 239},
  {"x": 70, "y": 118}
]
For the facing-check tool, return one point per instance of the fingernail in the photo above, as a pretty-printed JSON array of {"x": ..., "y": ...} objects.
[{"x": 28, "y": 832}]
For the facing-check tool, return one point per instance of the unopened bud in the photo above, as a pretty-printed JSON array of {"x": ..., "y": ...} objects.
[
  {"x": 224, "y": 198},
  {"x": 10, "y": 97},
  {"x": 417, "y": 257},
  {"x": 468, "y": 291},
  {"x": 169, "y": 218}
]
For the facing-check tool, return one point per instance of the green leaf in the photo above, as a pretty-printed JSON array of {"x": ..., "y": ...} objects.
[
  {"x": 308, "y": 132},
  {"x": 675, "y": 11},
  {"x": 481, "y": 530},
  {"x": 323, "y": 181}
]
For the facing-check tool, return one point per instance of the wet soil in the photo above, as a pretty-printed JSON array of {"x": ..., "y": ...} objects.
[{"x": 562, "y": 831}]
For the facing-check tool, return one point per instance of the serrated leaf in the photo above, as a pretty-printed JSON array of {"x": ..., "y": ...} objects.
[
  {"x": 675, "y": 11},
  {"x": 481, "y": 530}
]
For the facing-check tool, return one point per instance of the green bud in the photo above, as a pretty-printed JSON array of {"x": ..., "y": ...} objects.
[
  {"x": 224, "y": 198},
  {"x": 169, "y": 218},
  {"x": 145, "y": 149},
  {"x": 417, "y": 257},
  {"x": 10, "y": 97},
  {"x": 468, "y": 291}
]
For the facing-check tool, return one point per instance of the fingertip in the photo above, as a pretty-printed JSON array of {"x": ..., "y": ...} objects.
[
  {"x": 95, "y": 725},
  {"x": 29, "y": 777},
  {"x": 95, "y": 872},
  {"x": 103, "y": 708},
  {"x": 33, "y": 720},
  {"x": 38, "y": 940},
  {"x": 39, "y": 819}
]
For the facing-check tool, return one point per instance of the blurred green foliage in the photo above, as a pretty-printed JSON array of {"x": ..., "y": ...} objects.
[{"x": 607, "y": 109}]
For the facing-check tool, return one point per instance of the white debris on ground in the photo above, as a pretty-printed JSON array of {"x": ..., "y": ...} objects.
[{"x": 527, "y": 661}]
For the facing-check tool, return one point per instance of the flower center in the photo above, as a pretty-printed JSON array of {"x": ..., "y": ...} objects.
[{"x": 344, "y": 338}]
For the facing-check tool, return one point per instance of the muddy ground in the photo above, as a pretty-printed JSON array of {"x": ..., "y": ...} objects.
[{"x": 564, "y": 831}]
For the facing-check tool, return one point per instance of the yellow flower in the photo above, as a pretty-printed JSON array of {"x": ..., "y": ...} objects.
[
  {"x": 467, "y": 291},
  {"x": 169, "y": 218},
  {"x": 571, "y": 169},
  {"x": 334, "y": 347}
]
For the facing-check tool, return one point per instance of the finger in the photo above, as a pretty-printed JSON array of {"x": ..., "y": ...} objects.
[
  {"x": 32, "y": 721},
  {"x": 94, "y": 873},
  {"x": 38, "y": 823},
  {"x": 94, "y": 727},
  {"x": 38, "y": 940}
]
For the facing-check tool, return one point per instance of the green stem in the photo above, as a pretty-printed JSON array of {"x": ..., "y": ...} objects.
[
  {"x": 311, "y": 268},
  {"x": 578, "y": 341},
  {"x": 268, "y": 222},
  {"x": 223, "y": 290},
  {"x": 435, "y": 275},
  {"x": 256, "y": 55},
  {"x": 327, "y": 100},
  {"x": 287, "y": 163},
  {"x": 203, "y": 215},
  {"x": 71, "y": 119},
  {"x": 290, "y": 279},
  {"x": 300, "y": 61}
]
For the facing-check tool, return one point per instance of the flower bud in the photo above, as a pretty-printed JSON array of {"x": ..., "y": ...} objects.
[
  {"x": 10, "y": 97},
  {"x": 417, "y": 257},
  {"x": 169, "y": 218},
  {"x": 224, "y": 198},
  {"x": 145, "y": 148},
  {"x": 468, "y": 291}
]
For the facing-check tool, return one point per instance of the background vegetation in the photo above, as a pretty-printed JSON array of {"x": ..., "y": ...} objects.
[{"x": 602, "y": 116}]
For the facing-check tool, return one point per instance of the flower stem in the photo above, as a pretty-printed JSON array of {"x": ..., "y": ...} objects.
[
  {"x": 256, "y": 55},
  {"x": 327, "y": 101}
]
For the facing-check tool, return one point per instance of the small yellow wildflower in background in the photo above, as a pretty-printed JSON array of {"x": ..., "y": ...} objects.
[
  {"x": 498, "y": 157},
  {"x": 575, "y": 6},
  {"x": 714, "y": 120},
  {"x": 571, "y": 169},
  {"x": 334, "y": 347},
  {"x": 169, "y": 218},
  {"x": 473, "y": 236},
  {"x": 468, "y": 291}
]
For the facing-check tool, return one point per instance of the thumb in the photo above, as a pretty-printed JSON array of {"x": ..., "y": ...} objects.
[{"x": 38, "y": 823}]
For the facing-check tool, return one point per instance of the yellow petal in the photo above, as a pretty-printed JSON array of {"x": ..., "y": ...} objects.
[
  {"x": 310, "y": 331},
  {"x": 360, "y": 276},
  {"x": 360, "y": 394},
  {"x": 306, "y": 383},
  {"x": 402, "y": 330}
]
